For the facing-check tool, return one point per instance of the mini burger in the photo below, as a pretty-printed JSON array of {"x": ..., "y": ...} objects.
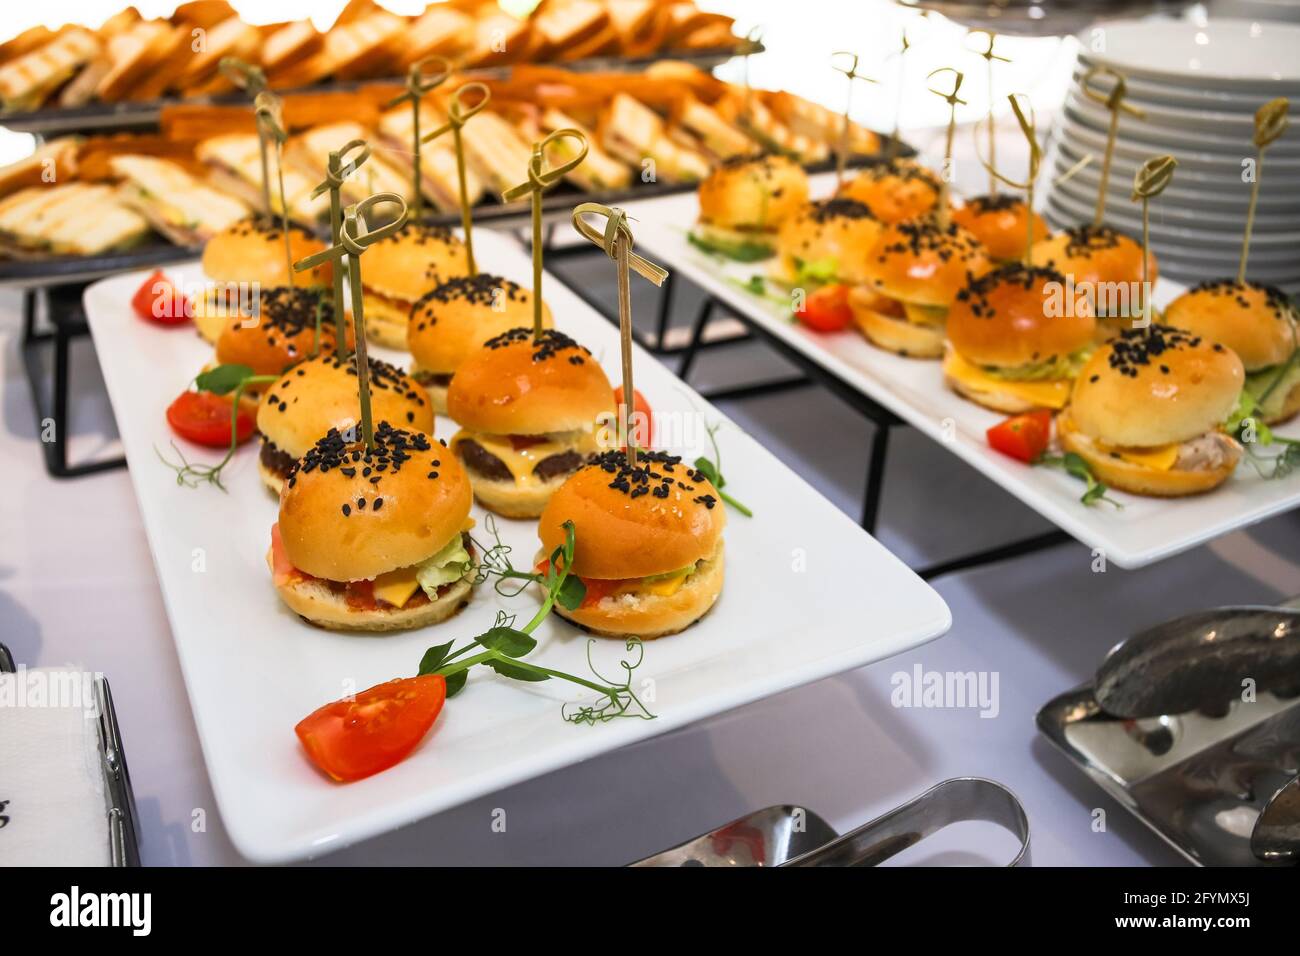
[
  {"x": 825, "y": 242},
  {"x": 374, "y": 540},
  {"x": 400, "y": 269},
  {"x": 647, "y": 543},
  {"x": 895, "y": 191},
  {"x": 1147, "y": 412},
  {"x": 1013, "y": 343},
  {"x": 1256, "y": 321},
  {"x": 247, "y": 252},
  {"x": 913, "y": 274},
  {"x": 528, "y": 410},
  {"x": 1001, "y": 223},
  {"x": 320, "y": 395},
  {"x": 453, "y": 320},
  {"x": 743, "y": 203},
  {"x": 1105, "y": 265}
]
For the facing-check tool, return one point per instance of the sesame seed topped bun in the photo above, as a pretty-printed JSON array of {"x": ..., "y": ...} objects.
[
  {"x": 829, "y": 238},
  {"x": 647, "y": 543},
  {"x": 1104, "y": 263},
  {"x": 281, "y": 334},
  {"x": 252, "y": 251},
  {"x": 1009, "y": 318},
  {"x": 399, "y": 269},
  {"x": 338, "y": 525},
  {"x": 452, "y": 321},
  {"x": 895, "y": 191},
  {"x": 1001, "y": 223},
  {"x": 919, "y": 262},
  {"x": 320, "y": 394},
  {"x": 1156, "y": 386},
  {"x": 753, "y": 193},
  {"x": 1256, "y": 321}
]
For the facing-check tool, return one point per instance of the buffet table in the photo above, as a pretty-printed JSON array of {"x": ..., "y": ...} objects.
[{"x": 78, "y": 585}]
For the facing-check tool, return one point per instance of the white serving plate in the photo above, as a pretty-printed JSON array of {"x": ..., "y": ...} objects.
[
  {"x": 1143, "y": 133},
  {"x": 1144, "y": 531},
  {"x": 253, "y": 669},
  {"x": 1235, "y": 55},
  {"x": 1225, "y": 165},
  {"x": 1181, "y": 107}
]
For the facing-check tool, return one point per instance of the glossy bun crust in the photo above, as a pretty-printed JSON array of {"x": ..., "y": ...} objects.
[
  {"x": 1256, "y": 321},
  {"x": 838, "y": 231},
  {"x": 1156, "y": 386},
  {"x": 1017, "y": 316},
  {"x": 753, "y": 193},
  {"x": 1001, "y": 224},
  {"x": 920, "y": 262},
  {"x": 453, "y": 321},
  {"x": 623, "y": 532},
  {"x": 516, "y": 385},
  {"x": 281, "y": 335},
  {"x": 895, "y": 191},
  {"x": 337, "y": 524}
]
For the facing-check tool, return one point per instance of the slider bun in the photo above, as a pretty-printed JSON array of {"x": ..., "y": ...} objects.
[
  {"x": 451, "y": 322},
  {"x": 987, "y": 394},
  {"x": 895, "y": 191},
  {"x": 386, "y": 320},
  {"x": 646, "y": 615},
  {"x": 1092, "y": 254},
  {"x": 893, "y": 333},
  {"x": 916, "y": 261},
  {"x": 282, "y": 334},
  {"x": 617, "y": 536},
  {"x": 315, "y": 601},
  {"x": 1139, "y": 479},
  {"x": 412, "y": 261},
  {"x": 1253, "y": 320},
  {"x": 516, "y": 386},
  {"x": 252, "y": 250},
  {"x": 321, "y": 394},
  {"x": 418, "y": 517},
  {"x": 1006, "y": 318},
  {"x": 753, "y": 193},
  {"x": 273, "y": 481},
  {"x": 510, "y": 499},
  {"x": 836, "y": 229},
  {"x": 1000, "y": 223},
  {"x": 1144, "y": 406}
]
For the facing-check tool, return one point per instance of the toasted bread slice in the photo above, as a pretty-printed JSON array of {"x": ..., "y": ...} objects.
[{"x": 27, "y": 80}]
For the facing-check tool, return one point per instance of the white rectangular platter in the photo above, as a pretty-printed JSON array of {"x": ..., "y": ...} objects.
[
  {"x": 807, "y": 594},
  {"x": 1144, "y": 530}
]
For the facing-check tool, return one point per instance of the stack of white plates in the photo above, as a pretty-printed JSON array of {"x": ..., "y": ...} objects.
[{"x": 1199, "y": 86}]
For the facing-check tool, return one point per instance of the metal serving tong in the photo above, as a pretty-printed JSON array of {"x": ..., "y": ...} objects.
[{"x": 793, "y": 836}]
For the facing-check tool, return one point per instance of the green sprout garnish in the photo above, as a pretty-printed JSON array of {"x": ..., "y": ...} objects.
[
  {"x": 221, "y": 380},
  {"x": 1075, "y": 464},
  {"x": 501, "y": 647},
  {"x": 1250, "y": 431},
  {"x": 712, "y": 470}
]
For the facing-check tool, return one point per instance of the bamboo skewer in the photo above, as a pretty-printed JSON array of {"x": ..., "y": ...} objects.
[
  {"x": 1028, "y": 126},
  {"x": 1151, "y": 179},
  {"x": 989, "y": 56},
  {"x": 1271, "y": 121},
  {"x": 1114, "y": 102},
  {"x": 339, "y": 166},
  {"x": 851, "y": 72},
  {"x": 457, "y": 116},
  {"x": 418, "y": 83},
  {"x": 942, "y": 211}
]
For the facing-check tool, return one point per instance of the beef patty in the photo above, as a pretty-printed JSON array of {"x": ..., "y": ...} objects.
[
  {"x": 275, "y": 460},
  {"x": 442, "y": 379},
  {"x": 482, "y": 462}
]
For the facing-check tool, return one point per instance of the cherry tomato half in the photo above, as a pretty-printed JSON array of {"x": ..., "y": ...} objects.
[
  {"x": 643, "y": 421},
  {"x": 158, "y": 300},
  {"x": 1023, "y": 437},
  {"x": 204, "y": 418},
  {"x": 827, "y": 309},
  {"x": 352, "y": 739}
]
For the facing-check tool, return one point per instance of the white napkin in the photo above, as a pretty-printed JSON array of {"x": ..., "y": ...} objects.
[{"x": 53, "y": 807}]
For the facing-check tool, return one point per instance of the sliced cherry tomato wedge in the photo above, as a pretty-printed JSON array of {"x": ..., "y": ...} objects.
[
  {"x": 158, "y": 300},
  {"x": 1023, "y": 437},
  {"x": 827, "y": 309},
  {"x": 352, "y": 739},
  {"x": 643, "y": 420},
  {"x": 596, "y": 588},
  {"x": 204, "y": 418},
  {"x": 282, "y": 569}
]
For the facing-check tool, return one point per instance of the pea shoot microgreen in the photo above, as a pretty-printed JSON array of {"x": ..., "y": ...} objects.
[
  {"x": 1251, "y": 432},
  {"x": 1074, "y": 464},
  {"x": 501, "y": 647},
  {"x": 220, "y": 380},
  {"x": 712, "y": 470}
]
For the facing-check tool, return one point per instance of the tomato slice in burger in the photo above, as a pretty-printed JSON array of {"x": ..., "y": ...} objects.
[
  {"x": 643, "y": 422},
  {"x": 827, "y": 309},
  {"x": 204, "y": 418},
  {"x": 158, "y": 300},
  {"x": 352, "y": 739},
  {"x": 1023, "y": 437}
]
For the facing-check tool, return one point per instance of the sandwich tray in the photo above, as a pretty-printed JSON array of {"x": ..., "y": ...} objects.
[
  {"x": 1143, "y": 531},
  {"x": 56, "y": 270},
  {"x": 117, "y": 117},
  {"x": 253, "y": 669}
]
